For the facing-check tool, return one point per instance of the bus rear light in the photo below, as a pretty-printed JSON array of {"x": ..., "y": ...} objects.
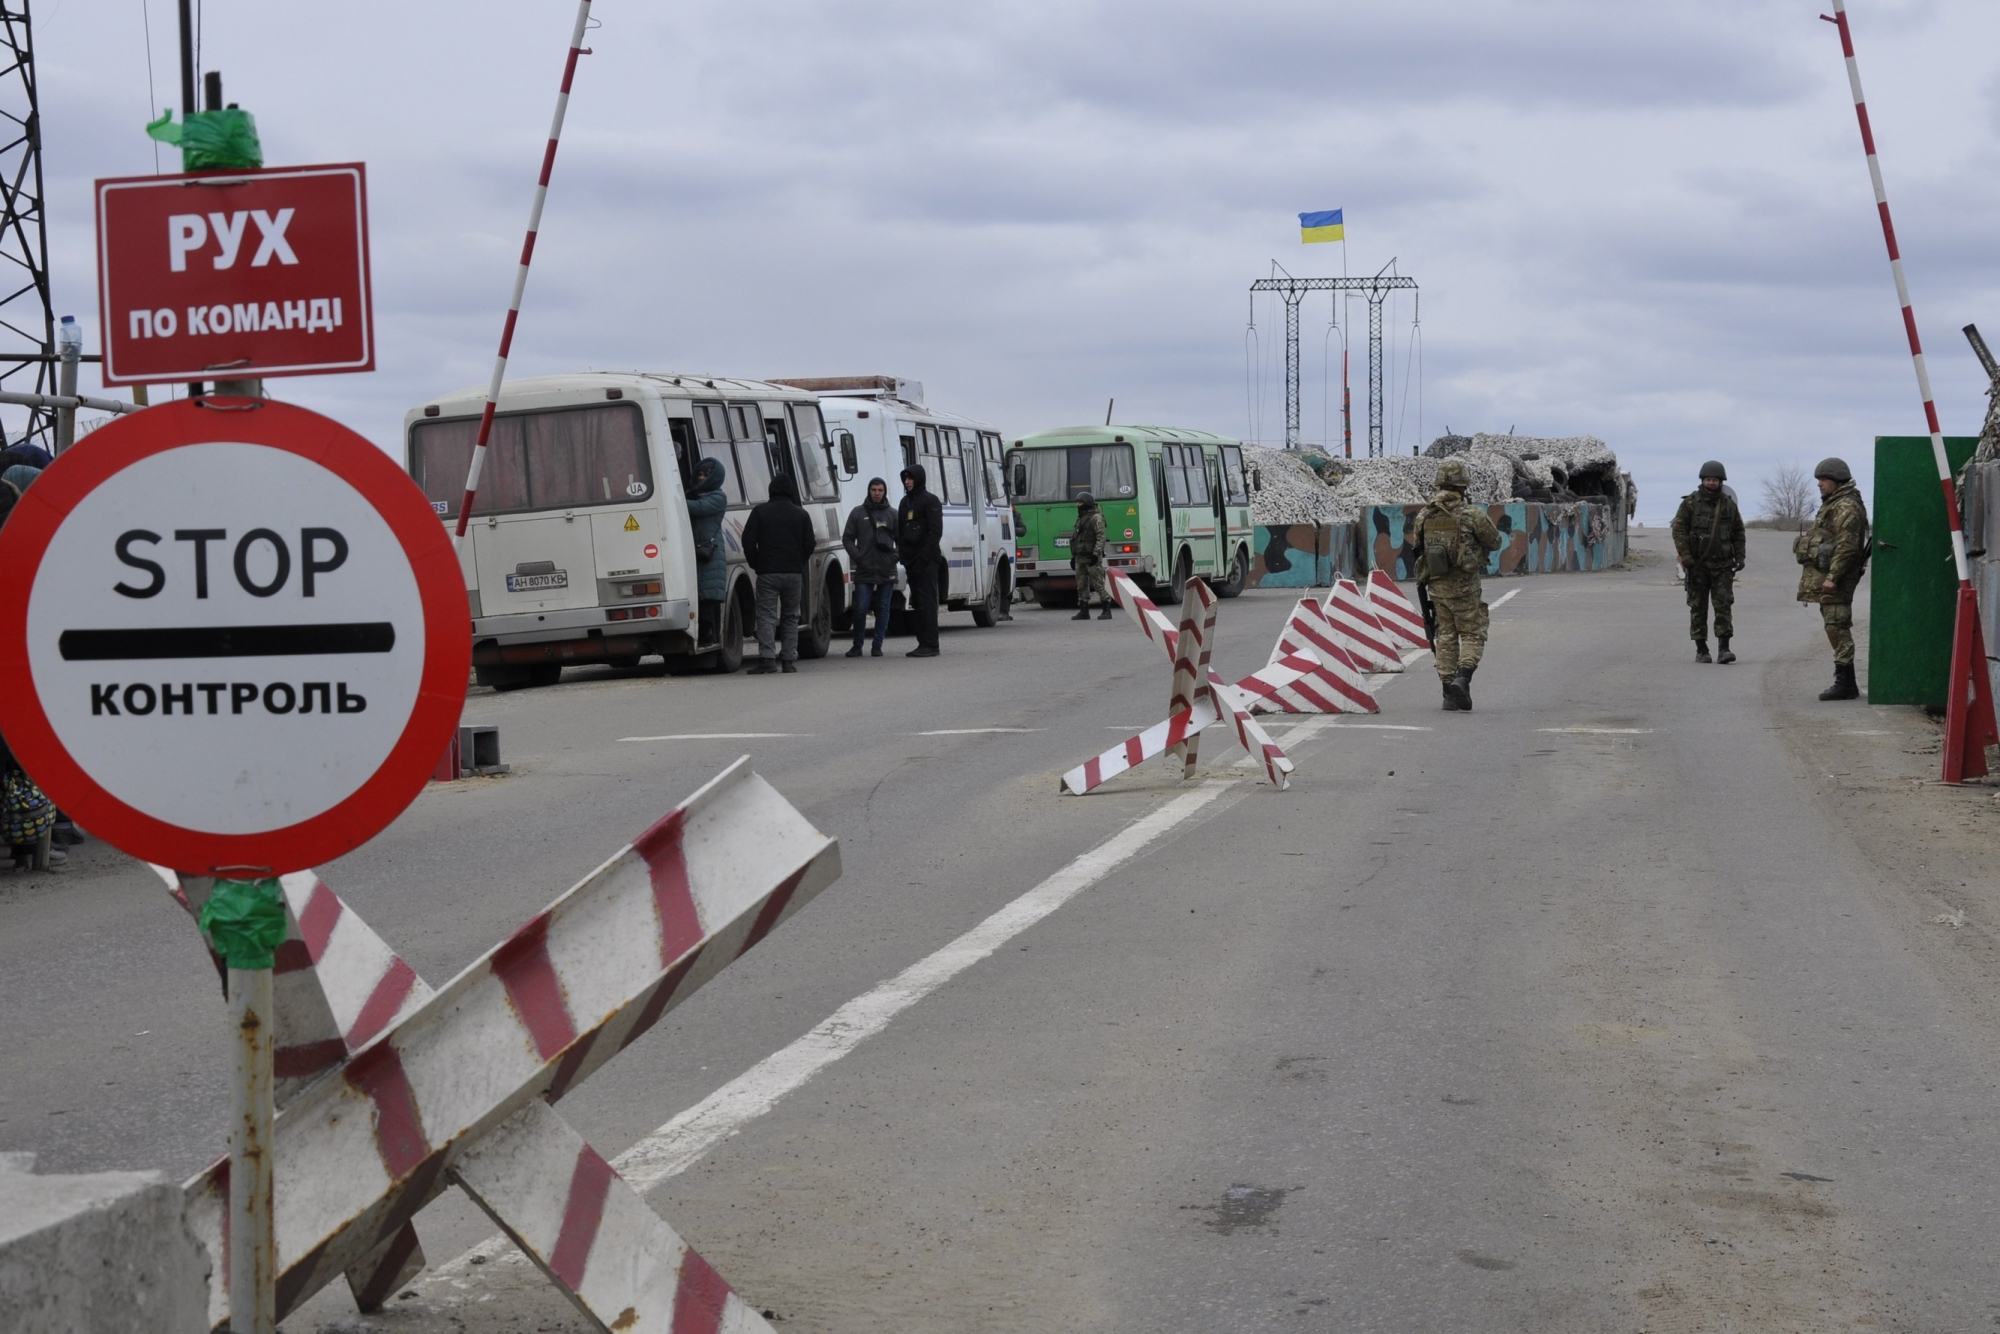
[
  {"x": 1127, "y": 547},
  {"x": 649, "y": 589},
  {"x": 632, "y": 614}
]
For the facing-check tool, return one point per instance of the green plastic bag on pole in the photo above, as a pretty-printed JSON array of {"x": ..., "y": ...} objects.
[
  {"x": 212, "y": 140},
  {"x": 244, "y": 921}
]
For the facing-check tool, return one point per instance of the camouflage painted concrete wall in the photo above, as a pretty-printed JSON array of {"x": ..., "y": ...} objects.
[
  {"x": 1981, "y": 492},
  {"x": 1536, "y": 538},
  {"x": 1304, "y": 555}
]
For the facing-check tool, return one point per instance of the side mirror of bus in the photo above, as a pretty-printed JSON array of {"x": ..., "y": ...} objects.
[
  {"x": 850, "y": 457},
  {"x": 1020, "y": 479},
  {"x": 1256, "y": 479}
]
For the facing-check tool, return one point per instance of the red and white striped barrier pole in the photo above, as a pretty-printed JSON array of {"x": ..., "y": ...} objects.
[
  {"x": 576, "y": 48},
  {"x": 1969, "y": 720},
  {"x": 1393, "y": 608}
]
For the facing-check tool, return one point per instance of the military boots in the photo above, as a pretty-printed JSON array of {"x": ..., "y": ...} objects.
[
  {"x": 1105, "y": 614},
  {"x": 1722, "y": 653},
  {"x": 1451, "y": 704},
  {"x": 1463, "y": 682},
  {"x": 1701, "y": 651},
  {"x": 1082, "y": 612},
  {"x": 1843, "y": 686}
]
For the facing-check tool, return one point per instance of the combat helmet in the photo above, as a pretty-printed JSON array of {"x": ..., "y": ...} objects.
[
  {"x": 1833, "y": 469},
  {"x": 1084, "y": 500},
  {"x": 1714, "y": 469},
  {"x": 1453, "y": 475}
]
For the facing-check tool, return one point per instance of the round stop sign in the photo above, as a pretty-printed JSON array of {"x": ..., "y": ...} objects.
[{"x": 232, "y": 637}]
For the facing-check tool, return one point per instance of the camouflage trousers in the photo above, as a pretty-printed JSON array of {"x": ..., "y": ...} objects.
[
  {"x": 1706, "y": 584},
  {"x": 1461, "y": 629},
  {"x": 1090, "y": 579},
  {"x": 1839, "y": 619}
]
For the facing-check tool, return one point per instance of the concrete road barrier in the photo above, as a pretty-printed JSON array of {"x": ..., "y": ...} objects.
[{"x": 108, "y": 1253}]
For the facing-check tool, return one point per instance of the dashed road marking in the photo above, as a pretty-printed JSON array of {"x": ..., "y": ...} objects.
[
  {"x": 972, "y": 731},
  {"x": 1601, "y": 731},
  {"x": 718, "y": 736}
]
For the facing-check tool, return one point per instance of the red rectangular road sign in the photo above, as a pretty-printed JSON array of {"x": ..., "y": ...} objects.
[{"x": 230, "y": 275}]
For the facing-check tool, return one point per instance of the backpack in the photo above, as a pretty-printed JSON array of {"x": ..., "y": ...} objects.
[{"x": 25, "y": 813}]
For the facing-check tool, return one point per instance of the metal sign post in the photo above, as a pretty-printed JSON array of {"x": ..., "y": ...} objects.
[{"x": 235, "y": 645}]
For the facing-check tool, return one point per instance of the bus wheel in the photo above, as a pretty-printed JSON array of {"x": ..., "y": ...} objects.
[
  {"x": 1183, "y": 571},
  {"x": 984, "y": 614},
  {"x": 544, "y": 674},
  {"x": 816, "y": 635},
  {"x": 1239, "y": 575},
  {"x": 729, "y": 656}
]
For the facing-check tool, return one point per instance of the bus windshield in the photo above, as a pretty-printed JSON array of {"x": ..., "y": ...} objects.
[
  {"x": 563, "y": 458},
  {"x": 1041, "y": 476}
]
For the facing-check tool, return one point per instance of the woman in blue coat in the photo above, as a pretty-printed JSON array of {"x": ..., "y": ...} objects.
[{"x": 706, "y": 503}]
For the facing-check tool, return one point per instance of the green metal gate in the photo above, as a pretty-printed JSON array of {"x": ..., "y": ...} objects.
[{"x": 1914, "y": 594}]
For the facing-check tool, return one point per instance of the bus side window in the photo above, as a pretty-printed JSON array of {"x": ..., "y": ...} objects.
[
  {"x": 1234, "y": 484},
  {"x": 1177, "y": 475},
  {"x": 779, "y": 451},
  {"x": 951, "y": 462},
  {"x": 751, "y": 484},
  {"x": 686, "y": 452},
  {"x": 909, "y": 451}
]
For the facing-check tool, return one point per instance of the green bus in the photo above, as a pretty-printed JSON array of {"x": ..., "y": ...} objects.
[{"x": 1176, "y": 503}]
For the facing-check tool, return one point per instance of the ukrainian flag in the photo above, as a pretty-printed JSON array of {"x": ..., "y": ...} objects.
[{"x": 1321, "y": 227}]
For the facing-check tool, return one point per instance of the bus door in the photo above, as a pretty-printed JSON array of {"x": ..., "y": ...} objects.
[
  {"x": 965, "y": 544},
  {"x": 1218, "y": 500},
  {"x": 686, "y": 452},
  {"x": 1165, "y": 504}
]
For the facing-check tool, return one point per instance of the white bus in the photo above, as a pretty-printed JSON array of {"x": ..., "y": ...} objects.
[
  {"x": 880, "y": 426},
  {"x": 580, "y": 548}
]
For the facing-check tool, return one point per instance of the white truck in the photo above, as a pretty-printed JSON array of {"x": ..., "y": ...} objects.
[
  {"x": 880, "y": 426},
  {"x": 580, "y": 549}
]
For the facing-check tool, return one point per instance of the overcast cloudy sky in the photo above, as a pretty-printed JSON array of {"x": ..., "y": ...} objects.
[{"x": 1646, "y": 222}]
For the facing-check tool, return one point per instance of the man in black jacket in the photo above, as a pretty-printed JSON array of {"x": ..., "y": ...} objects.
[
  {"x": 919, "y": 532},
  {"x": 870, "y": 539},
  {"x": 778, "y": 542}
]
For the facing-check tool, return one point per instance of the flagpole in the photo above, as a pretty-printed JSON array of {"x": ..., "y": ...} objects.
[{"x": 1347, "y": 310}]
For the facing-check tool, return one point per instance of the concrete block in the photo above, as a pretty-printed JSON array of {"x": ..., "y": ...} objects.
[{"x": 109, "y": 1253}]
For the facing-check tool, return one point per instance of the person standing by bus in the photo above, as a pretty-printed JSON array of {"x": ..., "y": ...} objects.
[
  {"x": 707, "y": 502},
  {"x": 1086, "y": 553},
  {"x": 870, "y": 539},
  {"x": 919, "y": 538},
  {"x": 778, "y": 542}
]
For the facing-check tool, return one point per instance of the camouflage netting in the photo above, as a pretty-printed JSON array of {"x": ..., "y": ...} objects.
[{"x": 1307, "y": 486}]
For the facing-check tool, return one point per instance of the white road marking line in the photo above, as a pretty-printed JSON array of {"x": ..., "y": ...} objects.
[
  {"x": 1601, "y": 731},
  {"x": 683, "y": 1141},
  {"x": 972, "y": 731},
  {"x": 1504, "y": 599},
  {"x": 687, "y": 1138},
  {"x": 1869, "y": 732},
  {"x": 717, "y": 736},
  {"x": 1380, "y": 727}
]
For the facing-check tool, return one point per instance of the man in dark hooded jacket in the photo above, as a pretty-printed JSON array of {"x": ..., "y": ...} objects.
[
  {"x": 919, "y": 534},
  {"x": 707, "y": 502},
  {"x": 778, "y": 542},
  {"x": 870, "y": 539}
]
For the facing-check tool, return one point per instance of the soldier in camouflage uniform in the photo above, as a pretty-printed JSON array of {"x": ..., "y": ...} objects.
[
  {"x": 1834, "y": 552},
  {"x": 1453, "y": 539},
  {"x": 1708, "y": 537},
  {"x": 1086, "y": 553}
]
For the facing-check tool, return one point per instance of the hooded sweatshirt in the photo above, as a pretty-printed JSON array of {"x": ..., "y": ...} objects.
[
  {"x": 778, "y": 536},
  {"x": 920, "y": 522},
  {"x": 870, "y": 538}
]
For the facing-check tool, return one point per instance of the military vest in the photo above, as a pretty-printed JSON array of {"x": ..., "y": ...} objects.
[{"x": 1446, "y": 550}]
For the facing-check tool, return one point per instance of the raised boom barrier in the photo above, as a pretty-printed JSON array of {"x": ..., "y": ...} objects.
[{"x": 427, "y": 1088}]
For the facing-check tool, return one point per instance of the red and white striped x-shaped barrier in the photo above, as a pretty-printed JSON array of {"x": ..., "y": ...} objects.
[
  {"x": 389, "y": 1091},
  {"x": 1398, "y": 615},
  {"x": 1199, "y": 699}
]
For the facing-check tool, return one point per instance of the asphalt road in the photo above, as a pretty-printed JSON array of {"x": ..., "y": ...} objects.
[{"x": 1597, "y": 1009}]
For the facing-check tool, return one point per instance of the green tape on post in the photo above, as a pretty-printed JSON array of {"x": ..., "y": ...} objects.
[{"x": 244, "y": 921}]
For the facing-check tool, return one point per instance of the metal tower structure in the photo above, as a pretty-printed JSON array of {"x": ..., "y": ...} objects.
[
  {"x": 1293, "y": 291},
  {"x": 27, "y": 318}
]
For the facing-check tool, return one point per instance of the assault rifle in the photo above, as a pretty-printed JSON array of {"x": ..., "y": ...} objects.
[{"x": 1430, "y": 615}]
